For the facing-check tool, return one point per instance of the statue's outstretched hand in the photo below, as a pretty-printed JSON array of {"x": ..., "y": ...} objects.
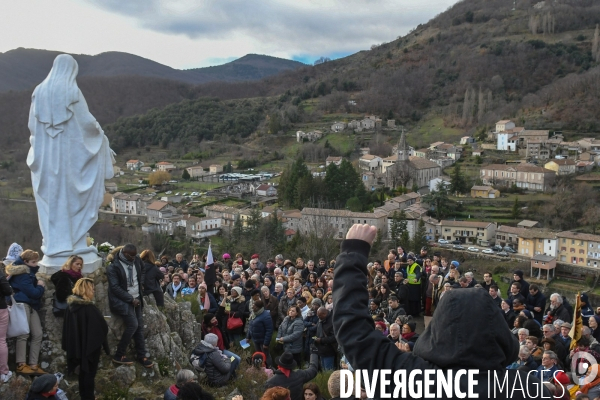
[{"x": 362, "y": 232}]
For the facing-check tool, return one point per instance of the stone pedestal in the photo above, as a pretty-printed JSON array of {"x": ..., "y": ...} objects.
[{"x": 91, "y": 262}]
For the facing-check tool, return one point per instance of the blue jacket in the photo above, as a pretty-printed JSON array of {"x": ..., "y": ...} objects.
[
  {"x": 24, "y": 284},
  {"x": 261, "y": 328}
]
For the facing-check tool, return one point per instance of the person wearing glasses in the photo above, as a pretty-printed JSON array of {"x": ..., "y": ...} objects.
[{"x": 125, "y": 287}]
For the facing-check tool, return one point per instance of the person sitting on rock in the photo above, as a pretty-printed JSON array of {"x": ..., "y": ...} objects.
[
  {"x": 219, "y": 367},
  {"x": 184, "y": 376}
]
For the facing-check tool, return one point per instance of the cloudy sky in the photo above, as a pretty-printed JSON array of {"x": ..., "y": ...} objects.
[{"x": 198, "y": 33}]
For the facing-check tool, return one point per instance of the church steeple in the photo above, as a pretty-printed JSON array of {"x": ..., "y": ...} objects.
[{"x": 402, "y": 148}]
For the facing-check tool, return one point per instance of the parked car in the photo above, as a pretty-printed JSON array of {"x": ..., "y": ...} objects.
[
  {"x": 473, "y": 249},
  {"x": 497, "y": 248},
  {"x": 503, "y": 254},
  {"x": 443, "y": 241},
  {"x": 457, "y": 242},
  {"x": 488, "y": 251},
  {"x": 509, "y": 249},
  {"x": 169, "y": 192},
  {"x": 458, "y": 247}
]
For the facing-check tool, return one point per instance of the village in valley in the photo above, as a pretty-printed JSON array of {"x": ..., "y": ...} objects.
[{"x": 499, "y": 166}]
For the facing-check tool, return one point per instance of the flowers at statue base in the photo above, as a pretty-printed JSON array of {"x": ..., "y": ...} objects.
[{"x": 105, "y": 247}]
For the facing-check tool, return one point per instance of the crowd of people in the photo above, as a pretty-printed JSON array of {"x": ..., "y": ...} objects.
[{"x": 289, "y": 306}]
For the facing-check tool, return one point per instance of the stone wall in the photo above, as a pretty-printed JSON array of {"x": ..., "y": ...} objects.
[{"x": 171, "y": 334}]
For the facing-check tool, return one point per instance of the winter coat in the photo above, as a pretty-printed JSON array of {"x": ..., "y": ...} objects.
[
  {"x": 171, "y": 393},
  {"x": 217, "y": 366},
  {"x": 296, "y": 380},
  {"x": 24, "y": 284},
  {"x": 328, "y": 344},
  {"x": 119, "y": 300},
  {"x": 213, "y": 303},
  {"x": 238, "y": 310},
  {"x": 392, "y": 314},
  {"x": 284, "y": 306},
  {"x": 170, "y": 291},
  {"x": 260, "y": 329},
  {"x": 63, "y": 285},
  {"x": 84, "y": 332},
  {"x": 533, "y": 301},
  {"x": 560, "y": 313},
  {"x": 291, "y": 331},
  {"x": 509, "y": 317},
  {"x": 466, "y": 332},
  {"x": 152, "y": 278},
  {"x": 5, "y": 290},
  {"x": 183, "y": 265},
  {"x": 524, "y": 288},
  {"x": 272, "y": 305}
]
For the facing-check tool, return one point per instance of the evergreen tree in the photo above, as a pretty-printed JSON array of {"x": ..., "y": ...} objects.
[
  {"x": 439, "y": 200},
  {"x": 186, "y": 175},
  {"x": 398, "y": 227},
  {"x": 420, "y": 239},
  {"x": 516, "y": 209},
  {"x": 228, "y": 168},
  {"x": 458, "y": 183}
]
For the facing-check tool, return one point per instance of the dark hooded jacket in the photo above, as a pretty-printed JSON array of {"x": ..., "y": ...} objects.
[
  {"x": 586, "y": 311},
  {"x": 524, "y": 284},
  {"x": 84, "y": 333},
  {"x": 536, "y": 300},
  {"x": 467, "y": 332},
  {"x": 63, "y": 285}
]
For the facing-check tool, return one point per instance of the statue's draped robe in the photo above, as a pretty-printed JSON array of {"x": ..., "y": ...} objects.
[{"x": 69, "y": 160}]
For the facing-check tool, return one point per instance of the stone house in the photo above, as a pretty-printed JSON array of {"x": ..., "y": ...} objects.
[
  {"x": 525, "y": 176},
  {"x": 562, "y": 167},
  {"x": 165, "y": 166}
]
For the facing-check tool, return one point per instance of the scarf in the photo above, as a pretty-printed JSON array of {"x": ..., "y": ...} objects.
[
  {"x": 408, "y": 336},
  {"x": 206, "y": 301},
  {"x": 590, "y": 385},
  {"x": 284, "y": 371},
  {"x": 74, "y": 274},
  {"x": 176, "y": 288},
  {"x": 129, "y": 264}
]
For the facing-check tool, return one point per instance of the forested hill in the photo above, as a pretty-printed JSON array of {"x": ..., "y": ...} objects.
[
  {"x": 23, "y": 69},
  {"x": 476, "y": 63},
  {"x": 189, "y": 122}
]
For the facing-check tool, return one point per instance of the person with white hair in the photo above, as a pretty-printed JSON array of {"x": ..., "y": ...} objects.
[
  {"x": 471, "y": 282},
  {"x": 522, "y": 334},
  {"x": 218, "y": 366},
  {"x": 183, "y": 376},
  {"x": 557, "y": 310},
  {"x": 525, "y": 360},
  {"x": 395, "y": 332}
]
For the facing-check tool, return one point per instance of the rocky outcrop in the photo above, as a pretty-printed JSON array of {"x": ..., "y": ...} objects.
[{"x": 170, "y": 333}]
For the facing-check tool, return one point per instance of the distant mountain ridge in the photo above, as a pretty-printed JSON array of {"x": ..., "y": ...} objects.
[{"x": 22, "y": 69}]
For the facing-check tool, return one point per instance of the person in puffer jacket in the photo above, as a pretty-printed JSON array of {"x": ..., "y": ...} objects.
[
  {"x": 29, "y": 291},
  {"x": 290, "y": 333},
  {"x": 218, "y": 367},
  {"x": 260, "y": 329}
]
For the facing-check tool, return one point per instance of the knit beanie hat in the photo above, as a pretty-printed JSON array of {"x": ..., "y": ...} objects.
[
  {"x": 43, "y": 383},
  {"x": 207, "y": 318},
  {"x": 211, "y": 339},
  {"x": 237, "y": 289},
  {"x": 14, "y": 251},
  {"x": 412, "y": 326}
]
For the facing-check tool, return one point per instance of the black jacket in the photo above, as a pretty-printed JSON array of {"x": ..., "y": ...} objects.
[
  {"x": 84, "y": 332},
  {"x": 5, "y": 290},
  {"x": 509, "y": 317},
  {"x": 296, "y": 380},
  {"x": 533, "y": 301},
  {"x": 327, "y": 345},
  {"x": 119, "y": 299},
  {"x": 152, "y": 278},
  {"x": 63, "y": 285},
  {"x": 467, "y": 332}
]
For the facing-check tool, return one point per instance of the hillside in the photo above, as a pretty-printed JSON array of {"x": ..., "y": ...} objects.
[
  {"x": 476, "y": 63},
  {"x": 23, "y": 69}
]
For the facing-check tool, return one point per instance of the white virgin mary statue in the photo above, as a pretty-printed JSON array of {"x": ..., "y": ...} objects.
[{"x": 69, "y": 160}]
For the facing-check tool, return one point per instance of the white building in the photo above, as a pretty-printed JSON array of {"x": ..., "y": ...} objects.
[
  {"x": 338, "y": 126},
  {"x": 124, "y": 203}
]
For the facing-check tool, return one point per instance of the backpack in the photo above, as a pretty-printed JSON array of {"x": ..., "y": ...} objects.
[{"x": 198, "y": 361}]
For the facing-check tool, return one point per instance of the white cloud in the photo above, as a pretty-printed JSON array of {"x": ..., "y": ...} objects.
[{"x": 191, "y": 33}]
